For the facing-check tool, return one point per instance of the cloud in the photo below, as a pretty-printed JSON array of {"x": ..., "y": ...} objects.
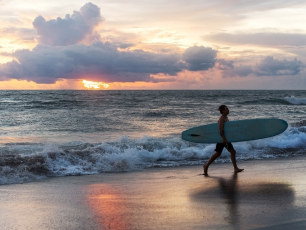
[
  {"x": 24, "y": 34},
  {"x": 262, "y": 39},
  {"x": 273, "y": 67},
  {"x": 241, "y": 70},
  {"x": 69, "y": 30},
  {"x": 62, "y": 54},
  {"x": 199, "y": 58},
  {"x": 251, "y": 6},
  {"x": 267, "y": 67},
  {"x": 99, "y": 61},
  {"x": 223, "y": 64},
  {"x": 5, "y": 54},
  {"x": 102, "y": 62}
]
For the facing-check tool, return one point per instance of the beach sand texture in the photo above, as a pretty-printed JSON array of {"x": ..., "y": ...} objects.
[{"x": 269, "y": 194}]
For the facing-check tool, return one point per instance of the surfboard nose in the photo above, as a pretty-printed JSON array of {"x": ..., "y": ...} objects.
[{"x": 285, "y": 123}]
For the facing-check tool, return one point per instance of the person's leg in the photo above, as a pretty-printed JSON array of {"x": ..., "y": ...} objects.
[
  {"x": 211, "y": 160},
  {"x": 233, "y": 158}
]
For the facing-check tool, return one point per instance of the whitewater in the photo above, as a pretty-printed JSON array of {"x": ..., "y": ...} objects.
[{"x": 64, "y": 133}]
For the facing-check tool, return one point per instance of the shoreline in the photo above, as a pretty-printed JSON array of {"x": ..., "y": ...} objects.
[{"x": 268, "y": 194}]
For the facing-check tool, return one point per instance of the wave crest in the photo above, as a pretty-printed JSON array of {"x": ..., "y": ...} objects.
[
  {"x": 295, "y": 101},
  {"x": 125, "y": 154}
]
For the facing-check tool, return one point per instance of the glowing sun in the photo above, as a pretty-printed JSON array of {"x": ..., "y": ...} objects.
[{"x": 94, "y": 85}]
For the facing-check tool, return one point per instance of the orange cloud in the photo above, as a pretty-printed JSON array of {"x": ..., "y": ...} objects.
[{"x": 30, "y": 85}]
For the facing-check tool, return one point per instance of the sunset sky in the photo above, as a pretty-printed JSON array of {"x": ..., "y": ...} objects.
[{"x": 169, "y": 44}]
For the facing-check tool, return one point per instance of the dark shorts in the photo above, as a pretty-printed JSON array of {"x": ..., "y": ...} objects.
[{"x": 221, "y": 146}]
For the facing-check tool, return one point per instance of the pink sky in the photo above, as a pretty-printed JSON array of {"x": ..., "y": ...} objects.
[{"x": 153, "y": 44}]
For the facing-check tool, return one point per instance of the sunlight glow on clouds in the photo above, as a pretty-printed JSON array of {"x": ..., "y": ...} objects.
[
  {"x": 155, "y": 45},
  {"x": 69, "y": 30},
  {"x": 94, "y": 85}
]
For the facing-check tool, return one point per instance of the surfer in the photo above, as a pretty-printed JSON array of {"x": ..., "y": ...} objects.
[{"x": 220, "y": 146}]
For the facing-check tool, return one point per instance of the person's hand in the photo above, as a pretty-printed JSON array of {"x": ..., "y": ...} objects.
[{"x": 224, "y": 141}]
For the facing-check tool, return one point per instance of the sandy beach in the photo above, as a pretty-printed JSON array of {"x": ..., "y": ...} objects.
[{"x": 269, "y": 194}]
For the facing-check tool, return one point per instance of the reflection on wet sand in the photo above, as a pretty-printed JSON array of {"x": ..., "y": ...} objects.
[
  {"x": 107, "y": 207},
  {"x": 151, "y": 204},
  {"x": 241, "y": 198},
  {"x": 229, "y": 190}
]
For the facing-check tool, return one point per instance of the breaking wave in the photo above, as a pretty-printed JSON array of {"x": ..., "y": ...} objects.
[
  {"x": 21, "y": 163},
  {"x": 296, "y": 101}
]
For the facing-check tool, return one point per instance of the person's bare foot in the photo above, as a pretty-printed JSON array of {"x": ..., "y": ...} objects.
[
  {"x": 205, "y": 167},
  {"x": 238, "y": 170}
]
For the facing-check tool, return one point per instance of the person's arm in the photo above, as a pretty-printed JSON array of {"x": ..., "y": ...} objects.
[{"x": 221, "y": 126}]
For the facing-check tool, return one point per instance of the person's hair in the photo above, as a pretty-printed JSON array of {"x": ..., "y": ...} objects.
[{"x": 221, "y": 108}]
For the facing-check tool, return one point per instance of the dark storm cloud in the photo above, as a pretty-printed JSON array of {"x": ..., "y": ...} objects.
[
  {"x": 267, "y": 67},
  {"x": 261, "y": 39},
  {"x": 69, "y": 30},
  {"x": 199, "y": 58},
  {"x": 103, "y": 62}
]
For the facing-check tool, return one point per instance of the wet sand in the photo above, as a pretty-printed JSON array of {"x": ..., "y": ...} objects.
[{"x": 269, "y": 194}]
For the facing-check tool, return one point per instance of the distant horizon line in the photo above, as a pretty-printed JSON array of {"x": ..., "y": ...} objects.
[{"x": 152, "y": 90}]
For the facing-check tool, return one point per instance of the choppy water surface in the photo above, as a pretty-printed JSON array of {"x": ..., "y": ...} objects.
[{"x": 60, "y": 133}]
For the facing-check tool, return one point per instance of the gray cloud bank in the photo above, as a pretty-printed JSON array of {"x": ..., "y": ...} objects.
[
  {"x": 199, "y": 58},
  {"x": 261, "y": 39},
  {"x": 101, "y": 61},
  {"x": 267, "y": 67}
]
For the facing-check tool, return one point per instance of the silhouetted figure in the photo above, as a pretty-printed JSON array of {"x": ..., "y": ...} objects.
[{"x": 220, "y": 146}]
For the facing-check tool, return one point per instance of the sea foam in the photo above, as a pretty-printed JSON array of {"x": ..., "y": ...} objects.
[
  {"x": 24, "y": 163},
  {"x": 296, "y": 101}
]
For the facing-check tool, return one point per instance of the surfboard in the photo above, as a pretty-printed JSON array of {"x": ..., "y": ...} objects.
[{"x": 236, "y": 131}]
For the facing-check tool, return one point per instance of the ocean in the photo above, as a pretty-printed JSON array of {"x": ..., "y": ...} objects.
[{"x": 64, "y": 133}]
